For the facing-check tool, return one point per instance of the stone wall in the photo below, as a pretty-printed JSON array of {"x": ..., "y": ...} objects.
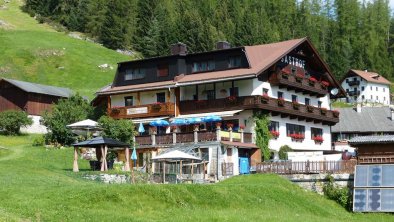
[{"x": 315, "y": 182}]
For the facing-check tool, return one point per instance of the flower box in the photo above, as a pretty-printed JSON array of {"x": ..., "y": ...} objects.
[
  {"x": 335, "y": 113},
  {"x": 318, "y": 139},
  {"x": 285, "y": 74},
  {"x": 231, "y": 99},
  {"x": 265, "y": 98},
  {"x": 299, "y": 77},
  {"x": 312, "y": 81},
  {"x": 297, "y": 136},
  {"x": 115, "y": 111},
  {"x": 323, "y": 111},
  {"x": 325, "y": 84},
  {"x": 275, "y": 134},
  {"x": 310, "y": 108},
  {"x": 281, "y": 102},
  {"x": 156, "y": 106},
  {"x": 296, "y": 105}
]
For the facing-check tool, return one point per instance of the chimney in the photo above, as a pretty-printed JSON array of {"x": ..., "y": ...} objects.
[
  {"x": 358, "y": 107},
  {"x": 223, "y": 45},
  {"x": 178, "y": 49}
]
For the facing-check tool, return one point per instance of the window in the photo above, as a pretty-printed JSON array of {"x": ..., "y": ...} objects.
[
  {"x": 362, "y": 97},
  {"x": 377, "y": 89},
  {"x": 132, "y": 74},
  {"x": 384, "y": 98},
  {"x": 362, "y": 88},
  {"x": 234, "y": 91},
  {"x": 273, "y": 126},
  {"x": 203, "y": 66},
  {"x": 319, "y": 104},
  {"x": 377, "y": 97},
  {"x": 316, "y": 132},
  {"x": 371, "y": 97},
  {"x": 354, "y": 79},
  {"x": 162, "y": 70},
  {"x": 307, "y": 101},
  {"x": 347, "y": 90},
  {"x": 294, "y": 129},
  {"x": 384, "y": 90},
  {"x": 210, "y": 94},
  {"x": 265, "y": 91},
  {"x": 128, "y": 101},
  {"x": 293, "y": 70},
  {"x": 280, "y": 95},
  {"x": 161, "y": 97},
  {"x": 370, "y": 88},
  {"x": 234, "y": 61},
  {"x": 294, "y": 98},
  {"x": 347, "y": 80}
]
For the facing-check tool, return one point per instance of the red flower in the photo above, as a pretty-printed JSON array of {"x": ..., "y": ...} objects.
[
  {"x": 312, "y": 79},
  {"x": 232, "y": 98},
  {"x": 318, "y": 139},
  {"x": 265, "y": 96},
  {"x": 299, "y": 75},
  {"x": 275, "y": 133},
  {"x": 230, "y": 125},
  {"x": 297, "y": 136},
  {"x": 325, "y": 83},
  {"x": 241, "y": 126}
]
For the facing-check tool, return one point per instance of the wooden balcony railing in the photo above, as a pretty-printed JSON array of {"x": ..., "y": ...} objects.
[
  {"x": 298, "y": 84},
  {"x": 290, "y": 167},
  {"x": 148, "y": 110},
  {"x": 354, "y": 83},
  {"x": 284, "y": 108}
]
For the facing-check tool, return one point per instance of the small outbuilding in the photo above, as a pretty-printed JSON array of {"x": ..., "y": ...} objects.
[{"x": 374, "y": 149}]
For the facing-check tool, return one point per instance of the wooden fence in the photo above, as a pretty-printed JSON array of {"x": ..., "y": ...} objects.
[{"x": 306, "y": 167}]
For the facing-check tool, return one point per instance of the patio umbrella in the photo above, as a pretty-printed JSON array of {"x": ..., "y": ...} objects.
[
  {"x": 178, "y": 122},
  {"x": 212, "y": 118},
  {"x": 194, "y": 120},
  {"x": 159, "y": 122},
  {"x": 141, "y": 128},
  {"x": 83, "y": 127}
]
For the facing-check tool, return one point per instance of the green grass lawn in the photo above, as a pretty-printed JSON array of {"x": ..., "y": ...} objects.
[
  {"x": 26, "y": 53},
  {"x": 38, "y": 185}
]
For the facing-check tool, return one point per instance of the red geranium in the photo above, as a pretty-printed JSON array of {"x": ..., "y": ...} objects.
[
  {"x": 275, "y": 133},
  {"x": 318, "y": 139},
  {"x": 325, "y": 83},
  {"x": 312, "y": 79}
]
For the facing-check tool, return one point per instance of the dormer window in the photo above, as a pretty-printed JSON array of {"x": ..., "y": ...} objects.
[
  {"x": 203, "y": 66},
  {"x": 162, "y": 70},
  {"x": 132, "y": 74},
  {"x": 234, "y": 62}
]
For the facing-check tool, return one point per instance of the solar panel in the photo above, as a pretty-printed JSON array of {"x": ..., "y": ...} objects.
[{"x": 374, "y": 188}]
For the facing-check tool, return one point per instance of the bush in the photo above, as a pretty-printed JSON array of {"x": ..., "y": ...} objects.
[
  {"x": 283, "y": 152},
  {"x": 340, "y": 195},
  {"x": 65, "y": 112},
  {"x": 11, "y": 121},
  {"x": 122, "y": 130},
  {"x": 39, "y": 141}
]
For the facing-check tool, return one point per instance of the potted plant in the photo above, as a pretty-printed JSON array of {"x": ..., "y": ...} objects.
[
  {"x": 312, "y": 81},
  {"x": 230, "y": 126},
  {"x": 274, "y": 133},
  {"x": 241, "y": 128},
  {"x": 231, "y": 99},
  {"x": 156, "y": 106},
  {"x": 325, "y": 84},
  {"x": 299, "y": 77},
  {"x": 335, "y": 113},
  {"x": 310, "y": 108},
  {"x": 297, "y": 136},
  {"x": 115, "y": 110},
  {"x": 110, "y": 159},
  {"x": 318, "y": 139},
  {"x": 296, "y": 105},
  {"x": 323, "y": 111},
  {"x": 285, "y": 74},
  {"x": 265, "y": 98},
  {"x": 281, "y": 101}
]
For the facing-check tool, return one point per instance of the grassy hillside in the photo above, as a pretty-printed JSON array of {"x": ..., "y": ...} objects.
[
  {"x": 35, "y": 52},
  {"x": 39, "y": 185}
]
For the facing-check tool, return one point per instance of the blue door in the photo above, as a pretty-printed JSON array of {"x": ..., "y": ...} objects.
[{"x": 244, "y": 165}]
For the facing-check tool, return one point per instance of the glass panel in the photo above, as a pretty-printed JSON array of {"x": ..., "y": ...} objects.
[
  {"x": 388, "y": 175},
  {"x": 375, "y": 176},
  {"x": 374, "y": 200},
  {"x": 360, "y": 199},
  {"x": 361, "y": 175},
  {"x": 387, "y": 202}
]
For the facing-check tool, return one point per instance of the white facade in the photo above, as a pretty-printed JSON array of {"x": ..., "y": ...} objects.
[
  {"x": 36, "y": 127},
  {"x": 146, "y": 97},
  {"x": 369, "y": 92}
]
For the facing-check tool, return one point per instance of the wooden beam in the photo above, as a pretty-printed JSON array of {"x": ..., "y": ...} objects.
[
  {"x": 138, "y": 98},
  {"x": 75, "y": 167},
  {"x": 177, "y": 100},
  {"x": 102, "y": 159},
  {"x": 127, "y": 164}
]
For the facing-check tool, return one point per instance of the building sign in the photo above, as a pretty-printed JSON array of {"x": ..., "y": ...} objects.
[
  {"x": 137, "y": 110},
  {"x": 293, "y": 61}
]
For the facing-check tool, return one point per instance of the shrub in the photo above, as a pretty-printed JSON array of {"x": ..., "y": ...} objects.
[
  {"x": 39, "y": 141},
  {"x": 283, "y": 152},
  {"x": 122, "y": 130},
  {"x": 263, "y": 134},
  {"x": 340, "y": 195},
  {"x": 11, "y": 121},
  {"x": 65, "y": 112}
]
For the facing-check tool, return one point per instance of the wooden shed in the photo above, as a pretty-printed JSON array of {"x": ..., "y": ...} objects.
[
  {"x": 30, "y": 97},
  {"x": 374, "y": 149}
]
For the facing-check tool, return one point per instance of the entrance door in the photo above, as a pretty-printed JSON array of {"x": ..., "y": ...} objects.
[{"x": 244, "y": 165}]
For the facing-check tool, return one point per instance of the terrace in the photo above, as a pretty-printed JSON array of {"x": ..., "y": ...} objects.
[{"x": 142, "y": 111}]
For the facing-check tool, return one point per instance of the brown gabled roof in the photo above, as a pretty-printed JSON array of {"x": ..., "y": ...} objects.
[
  {"x": 260, "y": 58},
  {"x": 371, "y": 76},
  {"x": 138, "y": 87}
]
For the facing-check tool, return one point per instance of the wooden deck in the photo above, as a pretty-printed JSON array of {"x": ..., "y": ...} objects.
[{"x": 142, "y": 111}]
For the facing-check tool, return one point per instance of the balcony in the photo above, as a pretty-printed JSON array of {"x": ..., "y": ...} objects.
[
  {"x": 272, "y": 105},
  {"x": 291, "y": 82},
  {"x": 354, "y": 93},
  {"x": 354, "y": 83},
  {"x": 189, "y": 137},
  {"x": 141, "y": 111}
]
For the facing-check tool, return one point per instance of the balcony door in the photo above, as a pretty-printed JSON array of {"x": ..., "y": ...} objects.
[
  {"x": 128, "y": 101},
  {"x": 161, "y": 97}
]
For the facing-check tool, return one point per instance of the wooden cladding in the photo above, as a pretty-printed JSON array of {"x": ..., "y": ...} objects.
[
  {"x": 149, "y": 110},
  {"x": 272, "y": 105},
  {"x": 304, "y": 85}
]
